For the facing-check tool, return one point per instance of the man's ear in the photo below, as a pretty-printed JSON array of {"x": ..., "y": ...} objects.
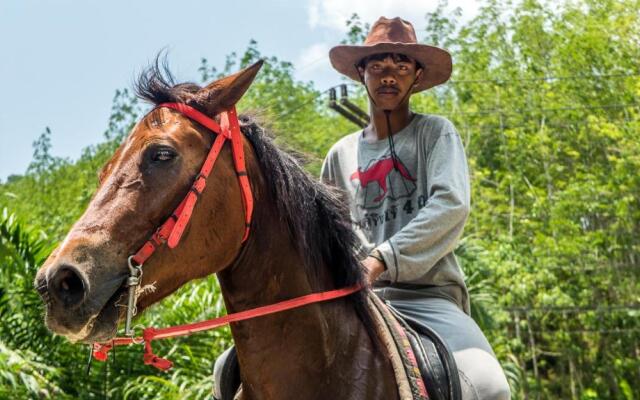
[{"x": 224, "y": 93}]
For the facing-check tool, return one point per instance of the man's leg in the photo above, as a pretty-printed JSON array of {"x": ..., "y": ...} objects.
[{"x": 481, "y": 375}]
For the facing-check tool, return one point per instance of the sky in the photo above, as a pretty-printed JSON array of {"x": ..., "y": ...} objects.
[{"x": 61, "y": 61}]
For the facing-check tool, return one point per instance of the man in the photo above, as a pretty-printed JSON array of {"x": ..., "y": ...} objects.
[{"x": 407, "y": 182}]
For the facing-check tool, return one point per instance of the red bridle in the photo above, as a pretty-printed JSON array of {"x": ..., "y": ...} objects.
[{"x": 172, "y": 229}]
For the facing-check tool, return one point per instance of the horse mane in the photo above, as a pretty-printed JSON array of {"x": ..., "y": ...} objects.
[{"x": 316, "y": 214}]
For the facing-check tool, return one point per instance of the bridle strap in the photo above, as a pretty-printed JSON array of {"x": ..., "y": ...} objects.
[
  {"x": 172, "y": 229},
  {"x": 229, "y": 121},
  {"x": 197, "y": 116}
]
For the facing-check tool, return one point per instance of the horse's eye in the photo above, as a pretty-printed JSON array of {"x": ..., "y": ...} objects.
[{"x": 163, "y": 154}]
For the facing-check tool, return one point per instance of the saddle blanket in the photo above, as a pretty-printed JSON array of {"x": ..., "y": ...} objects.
[{"x": 403, "y": 359}]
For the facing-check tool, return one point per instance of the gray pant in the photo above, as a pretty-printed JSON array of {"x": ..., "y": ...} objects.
[{"x": 481, "y": 376}]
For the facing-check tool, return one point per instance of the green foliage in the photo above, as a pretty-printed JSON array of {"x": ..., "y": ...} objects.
[
  {"x": 357, "y": 30},
  {"x": 43, "y": 161},
  {"x": 22, "y": 376},
  {"x": 21, "y": 252},
  {"x": 546, "y": 102},
  {"x": 23, "y": 338},
  {"x": 545, "y": 96}
]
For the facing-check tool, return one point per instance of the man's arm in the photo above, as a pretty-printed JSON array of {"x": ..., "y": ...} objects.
[
  {"x": 326, "y": 171},
  {"x": 434, "y": 232}
]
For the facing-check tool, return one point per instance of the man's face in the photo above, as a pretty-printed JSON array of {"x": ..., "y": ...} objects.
[{"x": 388, "y": 79}]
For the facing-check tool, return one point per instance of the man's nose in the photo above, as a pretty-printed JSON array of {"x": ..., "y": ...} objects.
[{"x": 388, "y": 79}]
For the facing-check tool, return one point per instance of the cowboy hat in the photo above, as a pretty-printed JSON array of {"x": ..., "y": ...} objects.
[{"x": 394, "y": 36}]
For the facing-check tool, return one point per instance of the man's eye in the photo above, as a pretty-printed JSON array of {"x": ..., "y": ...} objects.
[{"x": 163, "y": 155}]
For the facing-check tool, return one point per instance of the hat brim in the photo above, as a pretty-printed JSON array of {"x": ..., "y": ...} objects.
[{"x": 436, "y": 61}]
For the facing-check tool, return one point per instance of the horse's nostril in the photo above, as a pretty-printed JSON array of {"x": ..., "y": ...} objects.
[
  {"x": 67, "y": 286},
  {"x": 41, "y": 285}
]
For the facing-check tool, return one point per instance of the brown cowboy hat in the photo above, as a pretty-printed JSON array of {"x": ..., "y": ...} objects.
[{"x": 394, "y": 36}]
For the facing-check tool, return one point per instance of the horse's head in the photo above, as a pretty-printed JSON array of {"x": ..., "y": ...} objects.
[{"x": 83, "y": 280}]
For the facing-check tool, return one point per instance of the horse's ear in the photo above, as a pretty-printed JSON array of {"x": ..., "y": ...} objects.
[{"x": 226, "y": 92}]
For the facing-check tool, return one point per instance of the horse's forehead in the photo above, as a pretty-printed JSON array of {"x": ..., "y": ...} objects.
[
  {"x": 159, "y": 122},
  {"x": 161, "y": 117}
]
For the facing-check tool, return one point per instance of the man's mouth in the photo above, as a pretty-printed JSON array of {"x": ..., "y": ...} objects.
[{"x": 387, "y": 91}]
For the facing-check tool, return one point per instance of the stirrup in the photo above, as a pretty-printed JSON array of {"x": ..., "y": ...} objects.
[{"x": 226, "y": 375}]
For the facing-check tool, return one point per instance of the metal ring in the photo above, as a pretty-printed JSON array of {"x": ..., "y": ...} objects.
[
  {"x": 133, "y": 334},
  {"x": 133, "y": 269}
]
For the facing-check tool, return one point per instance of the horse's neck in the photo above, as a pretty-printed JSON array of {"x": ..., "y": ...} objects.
[{"x": 316, "y": 351}]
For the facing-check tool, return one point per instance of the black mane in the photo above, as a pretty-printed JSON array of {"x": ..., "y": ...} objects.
[{"x": 318, "y": 218}]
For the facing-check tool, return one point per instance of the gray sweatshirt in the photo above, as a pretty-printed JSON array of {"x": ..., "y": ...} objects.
[{"x": 413, "y": 212}]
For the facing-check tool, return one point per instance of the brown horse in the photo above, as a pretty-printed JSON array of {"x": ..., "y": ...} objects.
[{"x": 300, "y": 242}]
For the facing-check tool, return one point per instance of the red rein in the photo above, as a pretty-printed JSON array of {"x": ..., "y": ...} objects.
[
  {"x": 171, "y": 231},
  {"x": 149, "y": 334}
]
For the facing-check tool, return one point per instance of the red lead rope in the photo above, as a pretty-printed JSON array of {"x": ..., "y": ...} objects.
[
  {"x": 100, "y": 350},
  {"x": 172, "y": 229}
]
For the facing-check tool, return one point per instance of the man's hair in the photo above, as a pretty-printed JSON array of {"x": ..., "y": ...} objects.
[{"x": 396, "y": 57}]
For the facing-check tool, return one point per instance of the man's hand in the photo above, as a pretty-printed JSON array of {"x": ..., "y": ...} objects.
[{"x": 374, "y": 268}]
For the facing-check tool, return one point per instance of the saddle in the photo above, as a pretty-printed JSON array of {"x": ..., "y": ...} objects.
[{"x": 428, "y": 364}]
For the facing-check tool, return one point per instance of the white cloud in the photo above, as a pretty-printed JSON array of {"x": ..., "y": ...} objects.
[{"x": 333, "y": 14}]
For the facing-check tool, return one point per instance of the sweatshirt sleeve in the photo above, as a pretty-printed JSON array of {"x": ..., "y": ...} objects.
[
  {"x": 326, "y": 175},
  {"x": 412, "y": 252}
]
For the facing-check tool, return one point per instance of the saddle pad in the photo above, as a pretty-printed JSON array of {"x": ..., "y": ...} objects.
[{"x": 403, "y": 359}]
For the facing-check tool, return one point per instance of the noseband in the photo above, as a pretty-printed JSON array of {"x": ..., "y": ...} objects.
[{"x": 172, "y": 229}]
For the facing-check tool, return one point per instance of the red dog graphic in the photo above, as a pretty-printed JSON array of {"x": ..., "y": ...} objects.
[{"x": 378, "y": 172}]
